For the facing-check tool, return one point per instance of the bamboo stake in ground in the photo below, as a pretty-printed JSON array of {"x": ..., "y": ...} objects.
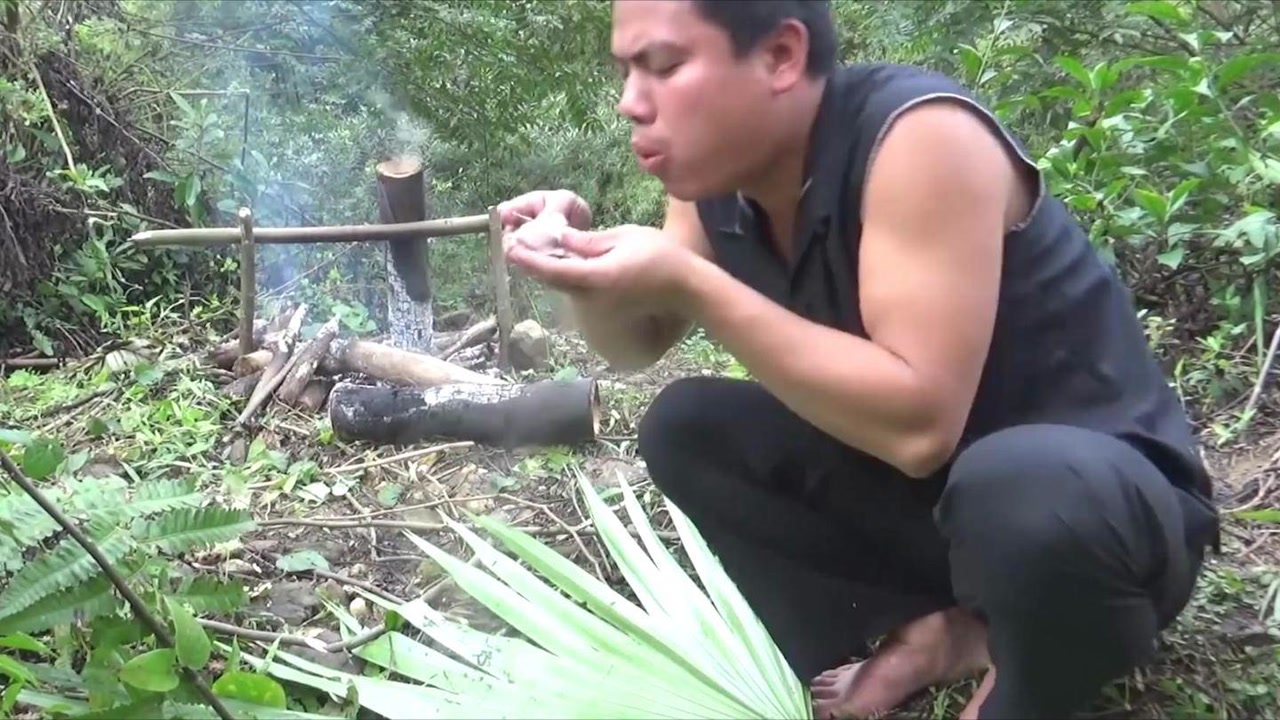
[
  {"x": 501, "y": 289},
  {"x": 248, "y": 280}
]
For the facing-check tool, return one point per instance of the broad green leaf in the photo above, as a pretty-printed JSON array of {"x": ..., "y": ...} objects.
[
  {"x": 1076, "y": 69},
  {"x": 15, "y": 669},
  {"x": 154, "y": 671},
  {"x": 23, "y": 641},
  {"x": 1233, "y": 69},
  {"x": 15, "y": 437},
  {"x": 251, "y": 687},
  {"x": 190, "y": 640},
  {"x": 1172, "y": 258},
  {"x": 1161, "y": 9},
  {"x": 300, "y": 560},
  {"x": 1154, "y": 203},
  {"x": 41, "y": 458},
  {"x": 1268, "y": 515}
]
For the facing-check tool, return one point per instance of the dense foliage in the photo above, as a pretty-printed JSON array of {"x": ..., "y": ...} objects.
[{"x": 1157, "y": 121}]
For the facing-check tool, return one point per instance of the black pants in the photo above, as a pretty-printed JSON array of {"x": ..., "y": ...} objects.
[{"x": 1070, "y": 544}]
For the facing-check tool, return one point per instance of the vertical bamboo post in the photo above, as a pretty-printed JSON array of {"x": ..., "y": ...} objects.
[
  {"x": 501, "y": 289},
  {"x": 248, "y": 280}
]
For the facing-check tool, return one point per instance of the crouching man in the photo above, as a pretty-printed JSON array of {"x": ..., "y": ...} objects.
[{"x": 956, "y": 441}]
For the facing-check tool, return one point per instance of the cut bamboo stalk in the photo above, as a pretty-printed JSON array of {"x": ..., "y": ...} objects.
[
  {"x": 205, "y": 237},
  {"x": 248, "y": 281},
  {"x": 501, "y": 289}
]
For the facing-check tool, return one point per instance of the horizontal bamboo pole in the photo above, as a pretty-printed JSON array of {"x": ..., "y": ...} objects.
[{"x": 203, "y": 237}]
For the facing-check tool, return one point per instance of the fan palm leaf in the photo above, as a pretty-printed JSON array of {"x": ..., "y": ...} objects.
[{"x": 690, "y": 648}]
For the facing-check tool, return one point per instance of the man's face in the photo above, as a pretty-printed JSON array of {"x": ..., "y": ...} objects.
[{"x": 700, "y": 117}]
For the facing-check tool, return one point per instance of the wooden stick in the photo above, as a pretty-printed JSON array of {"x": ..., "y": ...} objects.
[
  {"x": 501, "y": 289},
  {"x": 397, "y": 366},
  {"x": 242, "y": 387},
  {"x": 307, "y": 359},
  {"x": 205, "y": 237},
  {"x": 248, "y": 280},
  {"x": 315, "y": 394},
  {"x": 251, "y": 363},
  {"x": 35, "y": 362},
  {"x": 472, "y": 335},
  {"x": 274, "y": 373}
]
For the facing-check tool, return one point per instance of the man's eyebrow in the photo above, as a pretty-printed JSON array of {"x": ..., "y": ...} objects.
[{"x": 652, "y": 48}]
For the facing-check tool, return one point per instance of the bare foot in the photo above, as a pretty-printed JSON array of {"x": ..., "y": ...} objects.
[
  {"x": 970, "y": 711},
  {"x": 943, "y": 647}
]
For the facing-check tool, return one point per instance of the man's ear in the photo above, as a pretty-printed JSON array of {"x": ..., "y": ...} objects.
[{"x": 785, "y": 53}]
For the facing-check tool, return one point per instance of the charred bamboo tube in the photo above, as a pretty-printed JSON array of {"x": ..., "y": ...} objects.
[{"x": 205, "y": 237}]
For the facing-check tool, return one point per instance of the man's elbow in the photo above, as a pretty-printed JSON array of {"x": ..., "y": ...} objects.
[{"x": 923, "y": 453}]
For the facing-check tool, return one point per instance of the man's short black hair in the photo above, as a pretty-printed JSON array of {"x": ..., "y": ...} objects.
[{"x": 749, "y": 21}]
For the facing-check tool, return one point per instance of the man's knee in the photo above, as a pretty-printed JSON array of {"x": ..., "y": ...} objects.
[
  {"x": 1034, "y": 509},
  {"x": 678, "y": 413}
]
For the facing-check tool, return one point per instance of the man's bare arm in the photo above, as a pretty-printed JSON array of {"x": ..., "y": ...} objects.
[
  {"x": 937, "y": 204},
  {"x": 632, "y": 339}
]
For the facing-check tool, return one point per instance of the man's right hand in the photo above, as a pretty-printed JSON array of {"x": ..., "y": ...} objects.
[{"x": 534, "y": 218}]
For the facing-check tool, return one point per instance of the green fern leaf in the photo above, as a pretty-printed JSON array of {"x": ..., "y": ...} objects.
[
  {"x": 183, "y": 529},
  {"x": 83, "y": 602},
  {"x": 207, "y": 594},
  {"x": 153, "y": 497},
  {"x": 67, "y": 564},
  {"x": 95, "y": 495},
  {"x": 30, "y": 524},
  {"x": 158, "y": 495}
]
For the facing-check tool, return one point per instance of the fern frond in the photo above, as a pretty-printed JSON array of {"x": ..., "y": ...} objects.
[
  {"x": 84, "y": 498},
  {"x": 206, "y": 594},
  {"x": 183, "y": 529},
  {"x": 165, "y": 494},
  {"x": 95, "y": 495},
  {"x": 67, "y": 564},
  {"x": 85, "y": 602},
  {"x": 158, "y": 496},
  {"x": 29, "y": 524}
]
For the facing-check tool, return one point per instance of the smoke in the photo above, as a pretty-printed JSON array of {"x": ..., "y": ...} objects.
[
  {"x": 315, "y": 132},
  {"x": 412, "y": 136}
]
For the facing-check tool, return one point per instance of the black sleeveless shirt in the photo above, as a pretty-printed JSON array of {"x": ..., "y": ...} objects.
[{"x": 1068, "y": 347}]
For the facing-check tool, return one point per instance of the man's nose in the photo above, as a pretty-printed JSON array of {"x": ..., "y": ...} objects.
[{"x": 634, "y": 103}]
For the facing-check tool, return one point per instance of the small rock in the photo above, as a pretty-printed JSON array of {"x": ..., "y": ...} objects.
[
  {"x": 333, "y": 590},
  {"x": 239, "y": 567},
  {"x": 238, "y": 452},
  {"x": 359, "y": 608},
  {"x": 529, "y": 347},
  {"x": 293, "y": 602}
]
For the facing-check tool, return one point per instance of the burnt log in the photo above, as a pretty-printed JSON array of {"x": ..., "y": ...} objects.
[{"x": 548, "y": 412}]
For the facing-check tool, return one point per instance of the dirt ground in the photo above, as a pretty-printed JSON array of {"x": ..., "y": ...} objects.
[
  {"x": 342, "y": 525},
  {"x": 1218, "y": 661}
]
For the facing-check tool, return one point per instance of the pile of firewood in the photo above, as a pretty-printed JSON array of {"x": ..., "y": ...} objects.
[{"x": 382, "y": 394}]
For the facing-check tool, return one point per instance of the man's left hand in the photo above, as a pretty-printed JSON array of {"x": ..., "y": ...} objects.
[{"x": 629, "y": 260}]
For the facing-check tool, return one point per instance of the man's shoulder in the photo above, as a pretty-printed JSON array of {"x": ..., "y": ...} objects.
[{"x": 873, "y": 88}]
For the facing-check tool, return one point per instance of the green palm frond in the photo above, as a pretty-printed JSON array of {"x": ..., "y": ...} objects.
[{"x": 586, "y": 651}]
